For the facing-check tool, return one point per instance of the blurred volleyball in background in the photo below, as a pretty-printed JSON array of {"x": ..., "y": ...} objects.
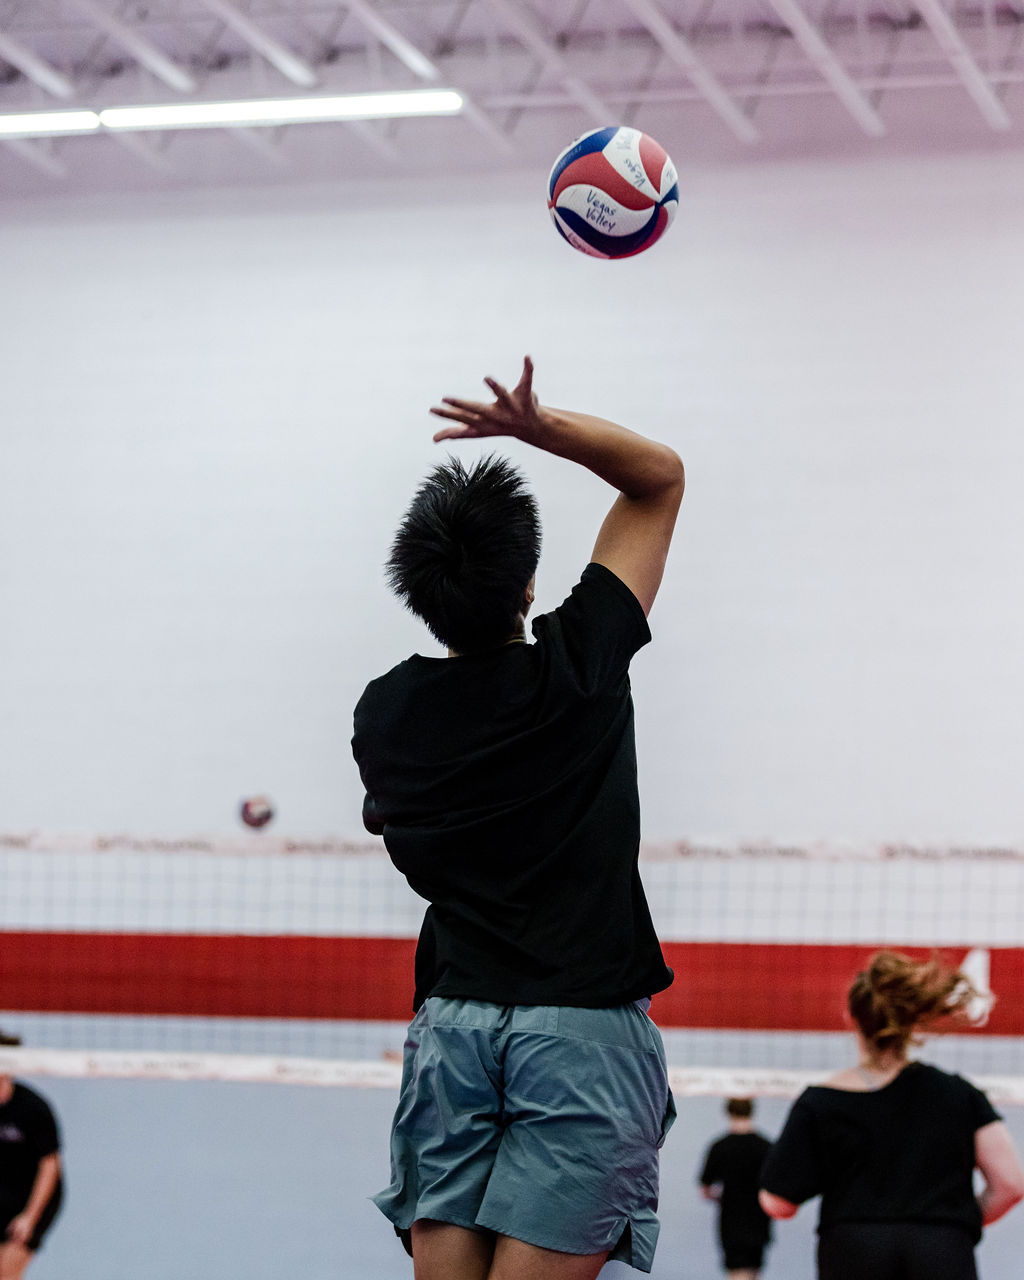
[
  {"x": 613, "y": 192},
  {"x": 257, "y": 811}
]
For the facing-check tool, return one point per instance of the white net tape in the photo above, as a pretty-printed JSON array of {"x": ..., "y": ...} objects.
[
  {"x": 254, "y": 843},
  {"x": 237, "y": 1068}
]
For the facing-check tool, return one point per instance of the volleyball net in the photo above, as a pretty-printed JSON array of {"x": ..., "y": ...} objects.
[{"x": 267, "y": 959}]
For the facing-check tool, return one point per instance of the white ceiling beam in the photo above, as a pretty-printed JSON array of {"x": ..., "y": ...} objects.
[
  {"x": 559, "y": 100},
  {"x": 374, "y": 139},
  {"x": 142, "y": 50},
  {"x": 272, "y": 148},
  {"x": 963, "y": 63},
  {"x": 531, "y": 37},
  {"x": 287, "y": 61},
  {"x": 839, "y": 79},
  {"x": 682, "y": 53},
  {"x": 36, "y": 69},
  {"x": 143, "y": 150},
  {"x": 265, "y": 143},
  {"x": 413, "y": 57},
  {"x": 483, "y": 123},
  {"x": 389, "y": 36},
  {"x": 38, "y": 154}
]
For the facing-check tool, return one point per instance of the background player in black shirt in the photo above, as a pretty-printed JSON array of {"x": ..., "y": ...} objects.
[
  {"x": 503, "y": 780},
  {"x": 891, "y": 1145},
  {"x": 30, "y": 1172},
  {"x": 731, "y": 1177}
]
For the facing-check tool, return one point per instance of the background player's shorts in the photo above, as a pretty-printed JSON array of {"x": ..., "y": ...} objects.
[
  {"x": 743, "y": 1242},
  {"x": 743, "y": 1255},
  {"x": 538, "y": 1122}
]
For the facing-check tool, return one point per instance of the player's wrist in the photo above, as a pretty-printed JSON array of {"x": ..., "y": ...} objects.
[{"x": 544, "y": 429}]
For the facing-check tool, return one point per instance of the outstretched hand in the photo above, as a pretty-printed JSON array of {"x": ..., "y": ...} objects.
[{"x": 513, "y": 413}]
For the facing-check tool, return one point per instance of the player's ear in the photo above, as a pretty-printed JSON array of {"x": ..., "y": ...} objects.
[{"x": 529, "y": 596}]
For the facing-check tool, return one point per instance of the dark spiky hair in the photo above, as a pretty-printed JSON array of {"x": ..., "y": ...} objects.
[{"x": 465, "y": 552}]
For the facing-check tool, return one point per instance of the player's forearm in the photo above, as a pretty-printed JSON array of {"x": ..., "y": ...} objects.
[
  {"x": 636, "y": 466},
  {"x": 776, "y": 1206},
  {"x": 997, "y": 1159},
  {"x": 995, "y": 1201},
  {"x": 43, "y": 1187}
]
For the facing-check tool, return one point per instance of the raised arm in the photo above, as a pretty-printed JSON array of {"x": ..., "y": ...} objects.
[
  {"x": 996, "y": 1157},
  {"x": 634, "y": 539}
]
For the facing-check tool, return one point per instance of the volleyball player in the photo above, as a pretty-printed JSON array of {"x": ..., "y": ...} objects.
[
  {"x": 730, "y": 1177},
  {"x": 891, "y": 1144},
  {"x": 30, "y": 1172},
  {"x": 503, "y": 779}
]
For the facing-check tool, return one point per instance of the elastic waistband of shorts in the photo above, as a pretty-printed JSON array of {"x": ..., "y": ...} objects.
[{"x": 625, "y": 1025}]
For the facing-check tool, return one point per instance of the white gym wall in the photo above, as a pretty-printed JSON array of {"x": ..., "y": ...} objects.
[{"x": 214, "y": 410}]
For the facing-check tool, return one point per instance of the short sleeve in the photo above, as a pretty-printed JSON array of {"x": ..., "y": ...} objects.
[
  {"x": 792, "y": 1168},
  {"x": 373, "y": 819},
  {"x": 44, "y": 1139},
  {"x": 596, "y": 631},
  {"x": 982, "y": 1111},
  {"x": 712, "y": 1171}
]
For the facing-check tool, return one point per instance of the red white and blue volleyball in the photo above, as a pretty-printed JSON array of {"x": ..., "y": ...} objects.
[{"x": 613, "y": 192}]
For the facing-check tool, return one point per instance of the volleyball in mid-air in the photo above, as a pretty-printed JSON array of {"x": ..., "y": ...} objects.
[
  {"x": 257, "y": 811},
  {"x": 613, "y": 192}
]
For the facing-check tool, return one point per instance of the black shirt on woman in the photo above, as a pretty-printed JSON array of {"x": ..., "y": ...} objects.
[
  {"x": 902, "y": 1153},
  {"x": 504, "y": 784}
]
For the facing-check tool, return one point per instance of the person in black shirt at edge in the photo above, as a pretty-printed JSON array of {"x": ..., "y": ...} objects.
[
  {"x": 731, "y": 1177},
  {"x": 30, "y": 1172},
  {"x": 891, "y": 1145},
  {"x": 503, "y": 780}
]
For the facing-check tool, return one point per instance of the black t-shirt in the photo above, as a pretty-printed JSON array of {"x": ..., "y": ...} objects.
[
  {"x": 734, "y": 1163},
  {"x": 504, "y": 784},
  {"x": 901, "y": 1153},
  {"x": 28, "y": 1132}
]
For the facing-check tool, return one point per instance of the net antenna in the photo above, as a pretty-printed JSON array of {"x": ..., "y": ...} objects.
[{"x": 976, "y": 968}]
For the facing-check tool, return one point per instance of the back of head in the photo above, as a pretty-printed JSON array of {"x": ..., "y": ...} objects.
[
  {"x": 7, "y": 1041},
  {"x": 465, "y": 552},
  {"x": 895, "y": 996},
  {"x": 739, "y": 1108}
]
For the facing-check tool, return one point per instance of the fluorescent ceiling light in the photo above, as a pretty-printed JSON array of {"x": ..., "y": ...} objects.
[
  {"x": 48, "y": 124},
  {"x": 213, "y": 115},
  {"x": 271, "y": 111}
]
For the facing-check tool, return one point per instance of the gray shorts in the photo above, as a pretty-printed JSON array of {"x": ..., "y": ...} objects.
[{"x": 538, "y": 1122}]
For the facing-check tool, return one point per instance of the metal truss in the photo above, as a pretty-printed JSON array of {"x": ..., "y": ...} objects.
[{"x": 518, "y": 64}]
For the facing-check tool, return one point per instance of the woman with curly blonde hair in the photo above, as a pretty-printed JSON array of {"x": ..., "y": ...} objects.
[{"x": 891, "y": 1144}]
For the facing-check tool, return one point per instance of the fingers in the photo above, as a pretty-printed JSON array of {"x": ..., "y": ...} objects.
[
  {"x": 505, "y": 416},
  {"x": 457, "y": 433},
  {"x": 466, "y": 430},
  {"x": 501, "y": 396},
  {"x": 459, "y": 411},
  {"x": 464, "y": 406}
]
